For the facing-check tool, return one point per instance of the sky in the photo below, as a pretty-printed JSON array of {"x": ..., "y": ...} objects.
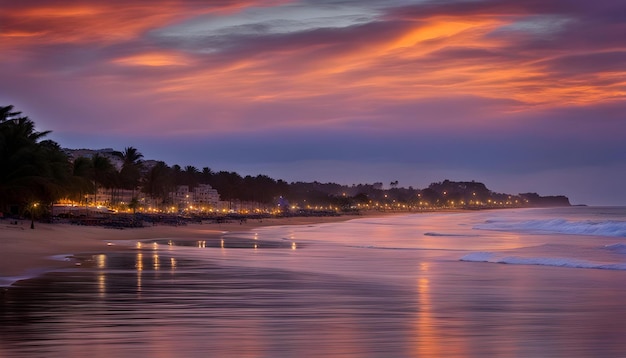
[{"x": 525, "y": 96}]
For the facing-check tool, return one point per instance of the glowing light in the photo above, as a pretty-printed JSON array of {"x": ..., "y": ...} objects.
[
  {"x": 102, "y": 284},
  {"x": 155, "y": 262},
  {"x": 101, "y": 261},
  {"x": 139, "y": 262}
]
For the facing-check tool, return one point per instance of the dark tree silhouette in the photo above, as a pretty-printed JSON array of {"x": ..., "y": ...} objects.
[
  {"x": 103, "y": 173},
  {"x": 81, "y": 180},
  {"x": 31, "y": 170},
  {"x": 130, "y": 173},
  {"x": 158, "y": 182},
  {"x": 191, "y": 176}
]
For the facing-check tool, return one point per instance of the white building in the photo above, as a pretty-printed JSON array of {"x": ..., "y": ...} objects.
[
  {"x": 182, "y": 197},
  {"x": 202, "y": 196},
  {"x": 205, "y": 195},
  {"x": 111, "y": 196}
]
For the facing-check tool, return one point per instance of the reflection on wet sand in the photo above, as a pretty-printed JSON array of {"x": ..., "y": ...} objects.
[
  {"x": 389, "y": 294},
  {"x": 139, "y": 267},
  {"x": 427, "y": 337}
]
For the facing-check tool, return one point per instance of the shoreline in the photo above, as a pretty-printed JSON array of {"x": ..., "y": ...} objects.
[{"x": 26, "y": 253}]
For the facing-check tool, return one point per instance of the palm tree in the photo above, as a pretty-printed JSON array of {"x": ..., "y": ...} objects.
[
  {"x": 31, "y": 170},
  {"x": 6, "y": 114},
  {"x": 190, "y": 176},
  {"x": 81, "y": 182},
  {"x": 206, "y": 175},
  {"x": 101, "y": 173},
  {"x": 228, "y": 184},
  {"x": 158, "y": 182},
  {"x": 130, "y": 174},
  {"x": 57, "y": 171}
]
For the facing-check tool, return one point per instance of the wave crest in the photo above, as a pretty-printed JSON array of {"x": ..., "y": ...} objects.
[
  {"x": 541, "y": 261},
  {"x": 610, "y": 228},
  {"x": 619, "y": 248}
]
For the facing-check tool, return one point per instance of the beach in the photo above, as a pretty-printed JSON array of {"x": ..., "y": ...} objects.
[
  {"x": 25, "y": 251},
  {"x": 501, "y": 283}
]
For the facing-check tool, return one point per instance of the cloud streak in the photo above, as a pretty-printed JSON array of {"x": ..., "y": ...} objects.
[{"x": 205, "y": 70}]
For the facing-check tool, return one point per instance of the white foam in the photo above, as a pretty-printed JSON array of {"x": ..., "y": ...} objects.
[
  {"x": 6, "y": 281},
  {"x": 611, "y": 228},
  {"x": 9, "y": 280},
  {"x": 541, "y": 261},
  {"x": 478, "y": 257},
  {"x": 619, "y": 248},
  {"x": 62, "y": 257},
  {"x": 446, "y": 235}
]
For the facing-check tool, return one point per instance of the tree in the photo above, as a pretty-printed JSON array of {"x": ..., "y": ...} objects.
[
  {"x": 32, "y": 170},
  {"x": 81, "y": 180},
  {"x": 228, "y": 184},
  {"x": 56, "y": 170},
  {"x": 133, "y": 205},
  {"x": 206, "y": 175},
  {"x": 177, "y": 175},
  {"x": 158, "y": 182},
  {"x": 191, "y": 176},
  {"x": 102, "y": 173},
  {"x": 130, "y": 173}
]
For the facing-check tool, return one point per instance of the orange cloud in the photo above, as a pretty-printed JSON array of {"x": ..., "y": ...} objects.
[
  {"x": 98, "y": 21},
  {"x": 441, "y": 28},
  {"x": 348, "y": 72},
  {"x": 154, "y": 60}
]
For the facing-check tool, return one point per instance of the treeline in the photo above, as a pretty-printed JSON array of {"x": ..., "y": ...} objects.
[
  {"x": 32, "y": 170},
  {"x": 160, "y": 180},
  {"x": 440, "y": 194},
  {"x": 36, "y": 172}
]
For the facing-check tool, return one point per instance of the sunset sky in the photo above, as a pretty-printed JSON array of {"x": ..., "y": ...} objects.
[{"x": 521, "y": 95}]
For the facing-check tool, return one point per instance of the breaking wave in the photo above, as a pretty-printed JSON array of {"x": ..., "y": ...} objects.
[
  {"x": 543, "y": 261},
  {"x": 619, "y": 248},
  {"x": 447, "y": 235},
  {"x": 610, "y": 228}
]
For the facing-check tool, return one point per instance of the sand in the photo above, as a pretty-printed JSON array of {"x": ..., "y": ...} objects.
[{"x": 24, "y": 251}]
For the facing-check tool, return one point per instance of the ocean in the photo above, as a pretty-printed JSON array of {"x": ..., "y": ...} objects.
[{"x": 495, "y": 283}]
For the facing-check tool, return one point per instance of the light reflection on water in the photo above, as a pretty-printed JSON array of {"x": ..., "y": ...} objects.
[{"x": 383, "y": 295}]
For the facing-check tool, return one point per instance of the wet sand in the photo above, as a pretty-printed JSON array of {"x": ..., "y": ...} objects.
[
  {"x": 24, "y": 250},
  {"x": 382, "y": 287}
]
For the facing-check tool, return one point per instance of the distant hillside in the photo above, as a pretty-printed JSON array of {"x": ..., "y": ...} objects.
[{"x": 546, "y": 201}]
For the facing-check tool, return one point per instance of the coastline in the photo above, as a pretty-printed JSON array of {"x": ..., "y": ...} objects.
[{"x": 26, "y": 253}]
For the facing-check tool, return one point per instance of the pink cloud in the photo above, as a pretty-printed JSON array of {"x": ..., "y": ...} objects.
[{"x": 466, "y": 64}]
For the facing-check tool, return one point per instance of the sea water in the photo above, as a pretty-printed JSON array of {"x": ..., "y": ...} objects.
[{"x": 501, "y": 283}]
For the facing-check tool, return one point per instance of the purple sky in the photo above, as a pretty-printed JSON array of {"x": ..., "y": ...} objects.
[{"x": 521, "y": 95}]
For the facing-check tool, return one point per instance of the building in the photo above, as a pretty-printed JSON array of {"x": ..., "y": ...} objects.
[
  {"x": 202, "y": 196},
  {"x": 181, "y": 197},
  {"x": 205, "y": 196}
]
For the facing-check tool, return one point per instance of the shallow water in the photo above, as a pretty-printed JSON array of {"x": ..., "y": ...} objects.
[{"x": 384, "y": 287}]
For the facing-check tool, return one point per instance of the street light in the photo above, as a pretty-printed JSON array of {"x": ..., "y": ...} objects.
[{"x": 32, "y": 215}]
